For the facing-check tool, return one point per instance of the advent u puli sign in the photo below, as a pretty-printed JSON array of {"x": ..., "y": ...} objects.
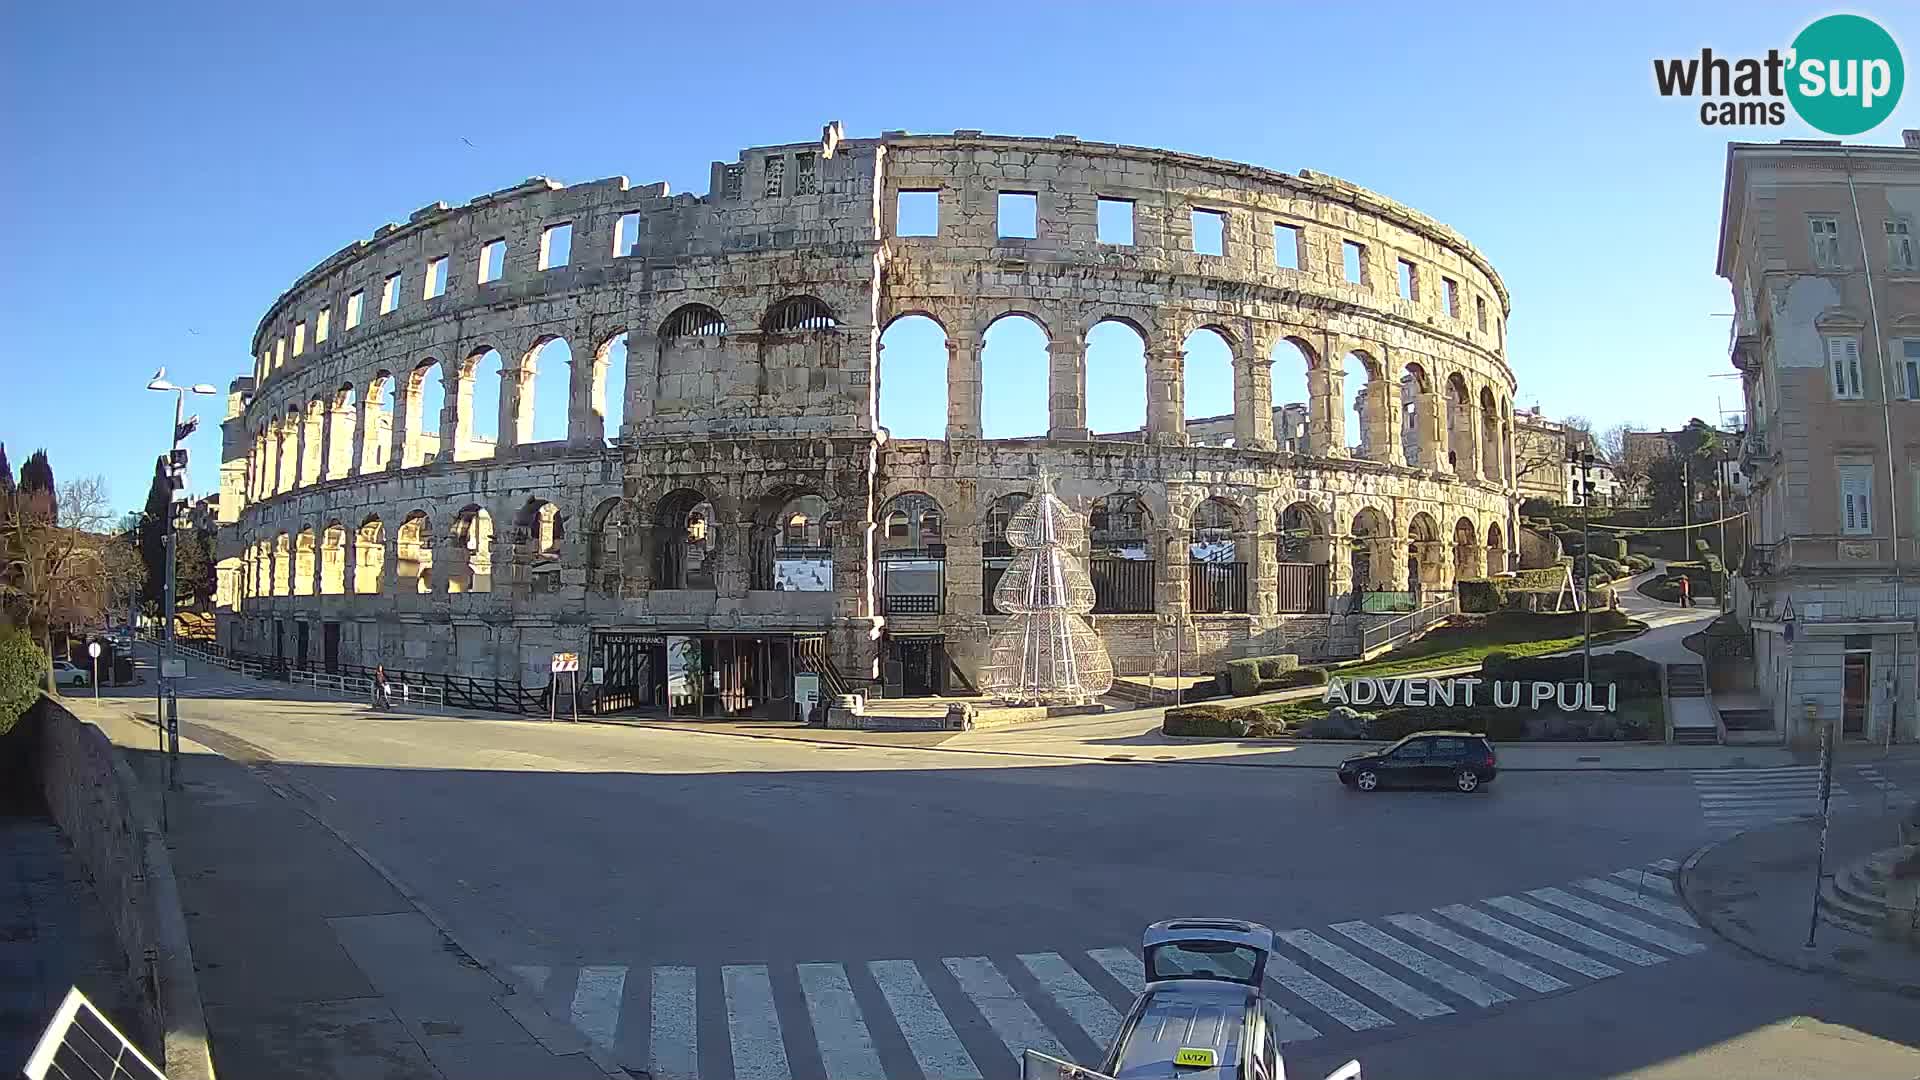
[{"x": 1567, "y": 697}]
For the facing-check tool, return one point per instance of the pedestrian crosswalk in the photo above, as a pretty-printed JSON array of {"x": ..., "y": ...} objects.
[
  {"x": 1735, "y": 799},
  {"x": 970, "y": 1017}
]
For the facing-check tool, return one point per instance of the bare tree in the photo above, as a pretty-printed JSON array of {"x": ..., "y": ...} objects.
[
  {"x": 1613, "y": 443},
  {"x": 56, "y": 570},
  {"x": 1579, "y": 433}
]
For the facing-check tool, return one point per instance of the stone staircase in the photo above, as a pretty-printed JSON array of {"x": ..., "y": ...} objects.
[
  {"x": 1857, "y": 898},
  {"x": 1690, "y": 681}
]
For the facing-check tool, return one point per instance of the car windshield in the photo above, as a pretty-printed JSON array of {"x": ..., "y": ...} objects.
[{"x": 1204, "y": 960}]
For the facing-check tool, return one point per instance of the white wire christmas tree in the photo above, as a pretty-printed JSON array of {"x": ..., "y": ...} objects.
[{"x": 1047, "y": 654}]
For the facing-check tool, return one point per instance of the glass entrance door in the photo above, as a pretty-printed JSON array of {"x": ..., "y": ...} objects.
[{"x": 1855, "y": 694}]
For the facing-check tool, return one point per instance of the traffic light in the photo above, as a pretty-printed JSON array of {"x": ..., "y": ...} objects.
[{"x": 177, "y": 468}]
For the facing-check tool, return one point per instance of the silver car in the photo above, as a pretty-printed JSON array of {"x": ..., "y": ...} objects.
[{"x": 1203, "y": 1014}]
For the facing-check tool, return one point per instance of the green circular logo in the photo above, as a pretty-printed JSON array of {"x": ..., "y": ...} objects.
[{"x": 1846, "y": 74}]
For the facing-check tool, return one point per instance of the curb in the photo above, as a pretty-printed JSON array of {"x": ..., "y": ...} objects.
[{"x": 1778, "y": 958}]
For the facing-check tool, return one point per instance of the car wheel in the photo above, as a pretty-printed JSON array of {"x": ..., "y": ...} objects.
[
  {"x": 1368, "y": 780},
  {"x": 1467, "y": 780}
]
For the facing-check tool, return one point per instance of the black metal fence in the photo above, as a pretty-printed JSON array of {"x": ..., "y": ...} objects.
[
  {"x": 1302, "y": 588},
  {"x": 460, "y": 691},
  {"x": 1123, "y": 586},
  {"x": 1216, "y": 587}
]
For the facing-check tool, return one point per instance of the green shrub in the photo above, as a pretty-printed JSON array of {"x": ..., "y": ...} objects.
[
  {"x": 1208, "y": 721},
  {"x": 1481, "y": 595},
  {"x": 1535, "y": 507},
  {"x": 1243, "y": 676},
  {"x": 1276, "y": 667},
  {"x": 1255, "y": 674},
  {"x": 1306, "y": 676},
  {"x": 23, "y": 671},
  {"x": 1633, "y": 674},
  {"x": 1700, "y": 548},
  {"x": 1620, "y": 550}
]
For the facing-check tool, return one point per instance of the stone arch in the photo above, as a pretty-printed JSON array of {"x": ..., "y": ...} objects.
[
  {"x": 1462, "y": 442},
  {"x": 1466, "y": 550},
  {"x": 1301, "y": 534},
  {"x": 685, "y": 541},
  {"x": 420, "y": 426},
  {"x": 333, "y": 559},
  {"x": 1015, "y": 366},
  {"x": 1120, "y": 525},
  {"x": 482, "y": 422},
  {"x": 792, "y": 539},
  {"x": 689, "y": 359},
  {"x": 1371, "y": 541},
  {"x": 342, "y": 425},
  {"x": 1116, "y": 377},
  {"x": 413, "y": 553},
  {"x": 606, "y": 535},
  {"x": 1297, "y": 383},
  {"x": 1426, "y": 556},
  {"x": 996, "y": 554},
  {"x": 376, "y": 422},
  {"x": 1208, "y": 386},
  {"x": 538, "y": 398},
  {"x": 911, "y": 401},
  {"x": 304, "y": 554},
  {"x": 312, "y": 433},
  {"x": 1213, "y": 526},
  {"x": 282, "y": 558},
  {"x": 1496, "y": 550},
  {"x": 472, "y": 532},
  {"x": 369, "y": 556},
  {"x": 1506, "y": 440},
  {"x": 1421, "y": 434},
  {"x": 1490, "y": 440},
  {"x": 911, "y": 521},
  {"x": 1369, "y": 416},
  {"x": 606, "y": 391}
]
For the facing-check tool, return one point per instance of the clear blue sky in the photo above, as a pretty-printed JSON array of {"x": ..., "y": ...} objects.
[{"x": 171, "y": 168}]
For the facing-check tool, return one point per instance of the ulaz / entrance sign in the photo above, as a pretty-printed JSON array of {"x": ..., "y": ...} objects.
[{"x": 1567, "y": 697}]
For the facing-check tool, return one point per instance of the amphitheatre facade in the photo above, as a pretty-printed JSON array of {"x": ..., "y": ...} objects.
[{"x": 751, "y": 515}]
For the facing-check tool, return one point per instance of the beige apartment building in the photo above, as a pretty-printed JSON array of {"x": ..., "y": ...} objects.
[{"x": 1817, "y": 240}]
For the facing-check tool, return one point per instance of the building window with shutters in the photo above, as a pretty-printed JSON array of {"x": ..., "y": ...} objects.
[
  {"x": 1824, "y": 235},
  {"x": 1900, "y": 244},
  {"x": 1910, "y": 367},
  {"x": 1843, "y": 366},
  {"x": 1856, "y": 500}
]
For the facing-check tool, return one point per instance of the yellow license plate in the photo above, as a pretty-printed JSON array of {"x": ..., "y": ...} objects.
[{"x": 1193, "y": 1058}]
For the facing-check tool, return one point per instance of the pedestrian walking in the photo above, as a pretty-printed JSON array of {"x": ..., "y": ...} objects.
[
  {"x": 382, "y": 696},
  {"x": 1686, "y": 591}
]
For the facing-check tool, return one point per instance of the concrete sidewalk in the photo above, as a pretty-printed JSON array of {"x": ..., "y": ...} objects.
[
  {"x": 313, "y": 964},
  {"x": 1755, "y": 889}
]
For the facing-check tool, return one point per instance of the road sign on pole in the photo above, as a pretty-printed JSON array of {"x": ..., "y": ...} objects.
[{"x": 1826, "y": 819}]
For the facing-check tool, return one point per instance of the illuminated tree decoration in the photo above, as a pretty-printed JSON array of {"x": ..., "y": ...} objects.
[{"x": 1047, "y": 654}]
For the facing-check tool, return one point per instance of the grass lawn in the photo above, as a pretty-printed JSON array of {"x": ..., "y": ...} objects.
[{"x": 1469, "y": 638}]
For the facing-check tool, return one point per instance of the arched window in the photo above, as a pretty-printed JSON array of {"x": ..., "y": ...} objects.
[
  {"x": 606, "y": 532},
  {"x": 303, "y": 558},
  {"x": 370, "y": 557},
  {"x": 683, "y": 541},
  {"x": 473, "y": 528},
  {"x": 693, "y": 320},
  {"x": 333, "y": 560},
  {"x": 897, "y": 525},
  {"x": 797, "y": 314},
  {"x": 1118, "y": 526},
  {"x": 413, "y": 552},
  {"x": 801, "y": 559}
]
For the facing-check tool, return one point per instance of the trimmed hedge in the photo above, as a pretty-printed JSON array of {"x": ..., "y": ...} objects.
[
  {"x": 1306, "y": 676},
  {"x": 1481, "y": 595},
  {"x": 1620, "y": 550},
  {"x": 1708, "y": 578},
  {"x": 1254, "y": 674},
  {"x": 1635, "y": 675},
  {"x": 23, "y": 670},
  {"x": 1220, "y": 722}
]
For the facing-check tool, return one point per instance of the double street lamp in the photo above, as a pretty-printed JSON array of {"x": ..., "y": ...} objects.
[
  {"x": 1582, "y": 462},
  {"x": 176, "y": 470}
]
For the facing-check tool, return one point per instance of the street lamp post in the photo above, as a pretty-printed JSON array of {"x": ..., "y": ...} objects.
[
  {"x": 176, "y": 474},
  {"x": 1582, "y": 462}
]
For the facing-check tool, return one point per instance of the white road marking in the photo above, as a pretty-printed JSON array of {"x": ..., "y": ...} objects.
[
  {"x": 1391, "y": 989},
  {"x": 535, "y": 974},
  {"x": 1010, "y": 1017},
  {"x": 1475, "y": 919},
  {"x": 753, "y": 1024},
  {"x": 846, "y": 1046},
  {"x": 674, "y": 1048},
  {"x": 1665, "y": 864},
  {"x": 1317, "y": 992},
  {"x": 1606, "y": 916},
  {"x": 1497, "y": 962},
  {"x": 596, "y": 1002},
  {"x": 1669, "y": 912},
  {"x": 1075, "y": 996},
  {"x": 1478, "y": 991},
  {"x": 1547, "y": 920},
  {"x": 929, "y": 1035},
  {"x": 1123, "y": 966}
]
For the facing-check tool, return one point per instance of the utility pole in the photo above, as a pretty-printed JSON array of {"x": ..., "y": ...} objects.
[
  {"x": 1582, "y": 462},
  {"x": 176, "y": 471},
  {"x": 1686, "y": 506}
]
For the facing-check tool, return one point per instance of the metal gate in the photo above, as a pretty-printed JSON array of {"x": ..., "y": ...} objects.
[{"x": 629, "y": 677}]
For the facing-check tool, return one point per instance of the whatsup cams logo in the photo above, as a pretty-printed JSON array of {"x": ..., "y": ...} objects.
[{"x": 1842, "y": 75}]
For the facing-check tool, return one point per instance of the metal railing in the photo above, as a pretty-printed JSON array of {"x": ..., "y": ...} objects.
[
  {"x": 1122, "y": 586},
  {"x": 1215, "y": 588},
  {"x": 1401, "y": 627},
  {"x": 1301, "y": 589}
]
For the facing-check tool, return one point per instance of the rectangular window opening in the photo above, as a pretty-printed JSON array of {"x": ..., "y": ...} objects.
[
  {"x": 299, "y": 338},
  {"x": 626, "y": 234},
  {"x": 321, "y": 324},
  {"x": 1856, "y": 499},
  {"x": 436, "y": 284},
  {"x": 917, "y": 213},
  {"x": 390, "y": 294},
  {"x": 279, "y": 352},
  {"x": 1286, "y": 247},
  {"x": 493, "y": 260},
  {"x": 1409, "y": 275},
  {"x": 1353, "y": 257},
  {"x": 776, "y": 176},
  {"x": 1900, "y": 244},
  {"x": 1824, "y": 234},
  {"x": 556, "y": 245},
  {"x": 1450, "y": 294},
  {"x": 1209, "y": 232},
  {"x": 356, "y": 307},
  {"x": 1480, "y": 312},
  {"x": 1019, "y": 215},
  {"x": 1910, "y": 357},
  {"x": 806, "y": 174},
  {"x": 1115, "y": 221},
  {"x": 1843, "y": 362}
]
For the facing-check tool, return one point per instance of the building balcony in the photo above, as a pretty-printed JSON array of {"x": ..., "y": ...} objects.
[{"x": 1825, "y": 553}]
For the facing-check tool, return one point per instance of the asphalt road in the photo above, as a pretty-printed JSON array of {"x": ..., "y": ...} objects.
[{"x": 679, "y": 894}]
